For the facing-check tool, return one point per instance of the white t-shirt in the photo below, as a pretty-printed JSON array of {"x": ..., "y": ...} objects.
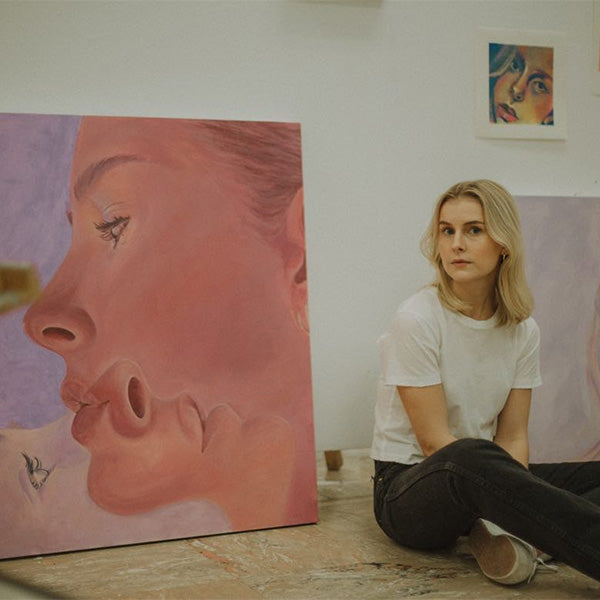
[{"x": 477, "y": 362}]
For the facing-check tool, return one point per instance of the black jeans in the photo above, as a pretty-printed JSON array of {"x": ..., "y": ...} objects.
[{"x": 554, "y": 507}]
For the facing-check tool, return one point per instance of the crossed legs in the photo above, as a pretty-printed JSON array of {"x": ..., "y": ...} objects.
[{"x": 556, "y": 508}]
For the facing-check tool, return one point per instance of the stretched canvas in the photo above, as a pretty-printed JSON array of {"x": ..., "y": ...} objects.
[
  {"x": 563, "y": 267},
  {"x": 160, "y": 386},
  {"x": 520, "y": 84},
  {"x": 596, "y": 48}
]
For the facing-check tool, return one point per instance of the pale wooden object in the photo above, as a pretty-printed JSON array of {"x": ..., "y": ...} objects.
[{"x": 334, "y": 460}]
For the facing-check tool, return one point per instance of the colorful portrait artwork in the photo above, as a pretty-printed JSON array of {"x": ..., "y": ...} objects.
[
  {"x": 563, "y": 265},
  {"x": 520, "y": 85},
  {"x": 160, "y": 387}
]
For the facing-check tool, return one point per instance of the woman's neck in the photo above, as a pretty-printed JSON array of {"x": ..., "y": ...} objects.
[{"x": 481, "y": 300}]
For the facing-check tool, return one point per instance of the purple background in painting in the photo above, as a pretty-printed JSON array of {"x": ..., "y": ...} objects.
[
  {"x": 561, "y": 237},
  {"x": 35, "y": 161}
]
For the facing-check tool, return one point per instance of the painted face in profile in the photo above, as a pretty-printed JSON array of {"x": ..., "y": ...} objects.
[
  {"x": 175, "y": 317},
  {"x": 523, "y": 93}
]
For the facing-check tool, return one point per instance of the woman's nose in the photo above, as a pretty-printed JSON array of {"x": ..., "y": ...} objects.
[
  {"x": 517, "y": 90},
  {"x": 55, "y": 322},
  {"x": 458, "y": 241},
  {"x": 130, "y": 401}
]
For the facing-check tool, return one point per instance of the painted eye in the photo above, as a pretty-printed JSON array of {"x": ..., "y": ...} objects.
[
  {"x": 515, "y": 66},
  {"x": 112, "y": 230},
  {"x": 37, "y": 474},
  {"x": 539, "y": 87}
]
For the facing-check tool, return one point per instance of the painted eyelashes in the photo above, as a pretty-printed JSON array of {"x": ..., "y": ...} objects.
[
  {"x": 112, "y": 230},
  {"x": 36, "y": 473}
]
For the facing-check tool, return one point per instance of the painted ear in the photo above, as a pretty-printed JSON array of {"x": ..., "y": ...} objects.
[{"x": 295, "y": 261}]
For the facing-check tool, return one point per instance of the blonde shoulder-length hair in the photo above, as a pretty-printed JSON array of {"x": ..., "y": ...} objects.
[{"x": 501, "y": 217}]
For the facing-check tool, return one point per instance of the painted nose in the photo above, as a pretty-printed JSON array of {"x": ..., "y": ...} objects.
[
  {"x": 516, "y": 94},
  {"x": 130, "y": 401},
  {"x": 58, "y": 324},
  {"x": 517, "y": 90}
]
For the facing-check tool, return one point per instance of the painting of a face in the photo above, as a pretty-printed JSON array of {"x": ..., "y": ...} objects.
[
  {"x": 176, "y": 311},
  {"x": 521, "y": 84}
]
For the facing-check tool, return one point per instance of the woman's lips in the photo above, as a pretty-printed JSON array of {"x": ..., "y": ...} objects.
[
  {"x": 88, "y": 409},
  {"x": 191, "y": 418},
  {"x": 73, "y": 395},
  {"x": 506, "y": 113},
  {"x": 86, "y": 422}
]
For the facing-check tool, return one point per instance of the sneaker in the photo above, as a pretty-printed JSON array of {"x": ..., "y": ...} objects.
[{"x": 502, "y": 557}]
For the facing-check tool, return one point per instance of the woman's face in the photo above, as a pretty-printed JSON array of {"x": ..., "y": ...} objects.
[
  {"x": 170, "y": 310},
  {"x": 523, "y": 93},
  {"x": 469, "y": 255}
]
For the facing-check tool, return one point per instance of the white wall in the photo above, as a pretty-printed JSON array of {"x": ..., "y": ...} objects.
[{"x": 385, "y": 94}]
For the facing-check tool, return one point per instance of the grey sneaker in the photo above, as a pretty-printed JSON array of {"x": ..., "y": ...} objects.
[{"x": 502, "y": 557}]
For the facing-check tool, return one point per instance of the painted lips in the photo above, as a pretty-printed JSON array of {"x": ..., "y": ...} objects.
[
  {"x": 122, "y": 400},
  {"x": 506, "y": 113}
]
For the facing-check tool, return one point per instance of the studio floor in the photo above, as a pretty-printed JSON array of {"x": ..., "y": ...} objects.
[{"x": 343, "y": 556}]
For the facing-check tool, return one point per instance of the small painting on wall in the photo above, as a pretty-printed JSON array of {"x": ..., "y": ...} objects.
[
  {"x": 520, "y": 84},
  {"x": 160, "y": 386}
]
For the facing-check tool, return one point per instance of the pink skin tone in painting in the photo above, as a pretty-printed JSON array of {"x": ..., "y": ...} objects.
[{"x": 174, "y": 316}]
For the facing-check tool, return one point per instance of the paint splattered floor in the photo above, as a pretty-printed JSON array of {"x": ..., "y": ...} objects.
[{"x": 344, "y": 556}]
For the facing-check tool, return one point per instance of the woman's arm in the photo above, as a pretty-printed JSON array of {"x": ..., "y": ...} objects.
[
  {"x": 511, "y": 433},
  {"x": 426, "y": 409}
]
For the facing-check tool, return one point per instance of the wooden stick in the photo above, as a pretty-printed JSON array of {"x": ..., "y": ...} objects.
[{"x": 19, "y": 285}]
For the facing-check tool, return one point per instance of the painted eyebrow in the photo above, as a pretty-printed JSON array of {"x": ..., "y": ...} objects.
[
  {"x": 539, "y": 75},
  {"x": 98, "y": 169}
]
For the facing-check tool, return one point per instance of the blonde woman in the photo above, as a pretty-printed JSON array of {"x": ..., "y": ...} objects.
[{"x": 450, "y": 441}]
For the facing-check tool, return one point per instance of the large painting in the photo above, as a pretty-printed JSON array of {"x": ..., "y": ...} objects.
[
  {"x": 160, "y": 386},
  {"x": 520, "y": 84},
  {"x": 561, "y": 236},
  {"x": 596, "y": 48}
]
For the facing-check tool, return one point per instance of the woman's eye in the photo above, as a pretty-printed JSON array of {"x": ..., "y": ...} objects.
[
  {"x": 475, "y": 230},
  {"x": 447, "y": 231},
  {"x": 539, "y": 87},
  {"x": 514, "y": 66},
  {"x": 112, "y": 230}
]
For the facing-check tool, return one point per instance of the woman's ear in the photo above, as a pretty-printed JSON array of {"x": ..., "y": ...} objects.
[{"x": 295, "y": 261}]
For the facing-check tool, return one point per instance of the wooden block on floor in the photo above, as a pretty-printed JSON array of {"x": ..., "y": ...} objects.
[{"x": 334, "y": 460}]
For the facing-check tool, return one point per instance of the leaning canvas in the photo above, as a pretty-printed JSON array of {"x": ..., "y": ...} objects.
[
  {"x": 563, "y": 268},
  {"x": 160, "y": 386}
]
